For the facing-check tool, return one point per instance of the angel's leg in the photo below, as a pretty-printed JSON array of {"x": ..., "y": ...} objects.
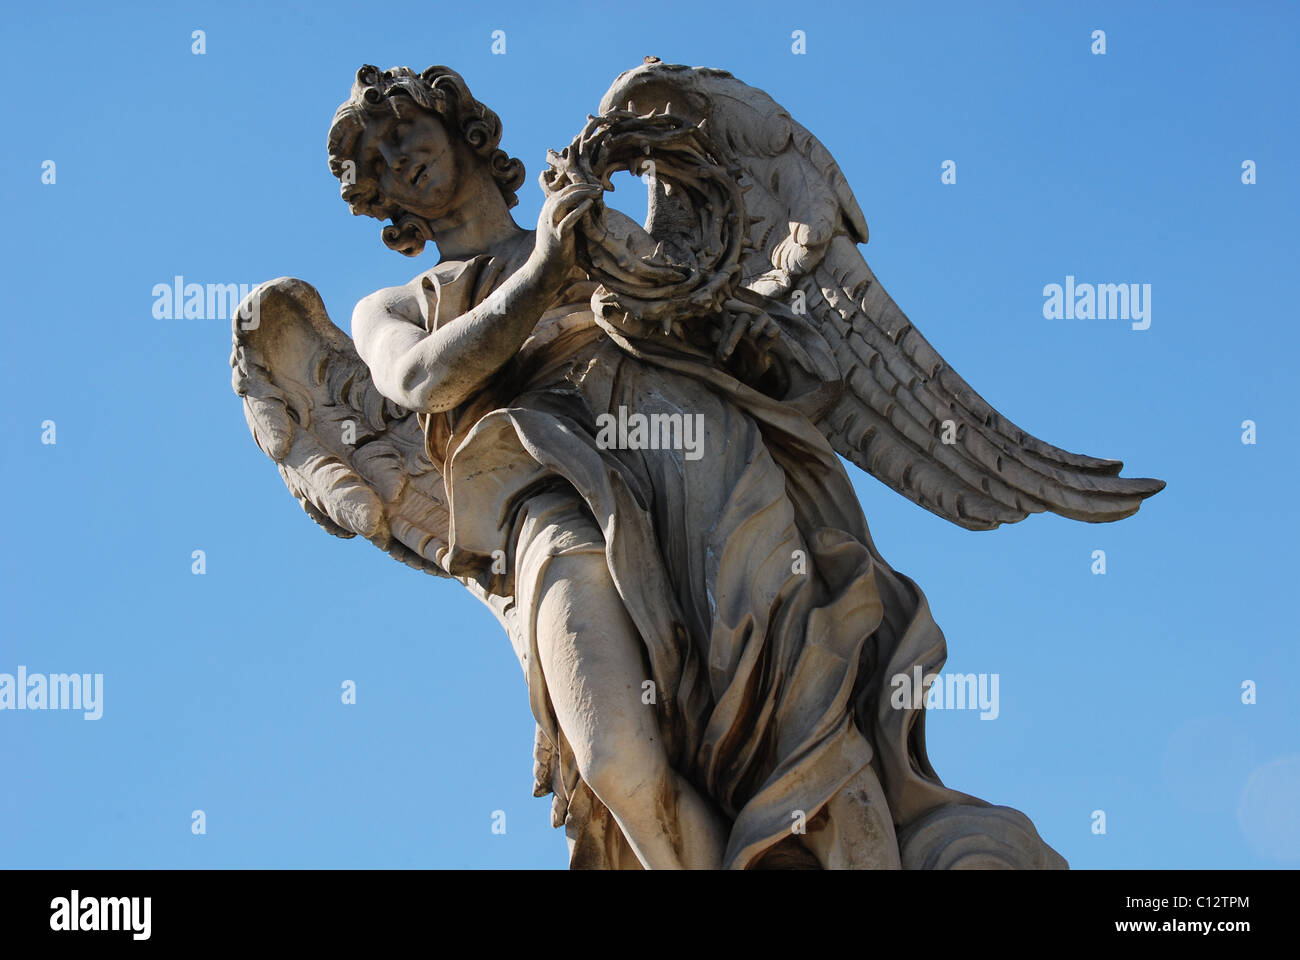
[{"x": 590, "y": 654}]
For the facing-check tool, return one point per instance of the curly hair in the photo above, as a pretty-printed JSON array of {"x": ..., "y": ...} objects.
[{"x": 444, "y": 93}]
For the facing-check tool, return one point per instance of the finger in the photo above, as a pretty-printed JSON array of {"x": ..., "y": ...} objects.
[
  {"x": 728, "y": 344},
  {"x": 566, "y": 202},
  {"x": 740, "y": 306},
  {"x": 588, "y": 197},
  {"x": 576, "y": 192},
  {"x": 565, "y": 226},
  {"x": 573, "y": 215}
]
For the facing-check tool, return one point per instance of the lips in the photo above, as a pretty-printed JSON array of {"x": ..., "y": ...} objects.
[{"x": 416, "y": 174}]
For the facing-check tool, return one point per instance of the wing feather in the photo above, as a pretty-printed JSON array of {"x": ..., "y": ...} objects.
[
  {"x": 907, "y": 418},
  {"x": 354, "y": 460}
]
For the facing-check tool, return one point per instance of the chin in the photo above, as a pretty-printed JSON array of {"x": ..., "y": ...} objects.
[{"x": 439, "y": 198}]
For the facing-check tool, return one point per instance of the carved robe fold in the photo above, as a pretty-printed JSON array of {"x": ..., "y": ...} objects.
[{"x": 771, "y": 626}]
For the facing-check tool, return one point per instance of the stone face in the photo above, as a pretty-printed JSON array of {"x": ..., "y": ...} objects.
[{"x": 623, "y": 440}]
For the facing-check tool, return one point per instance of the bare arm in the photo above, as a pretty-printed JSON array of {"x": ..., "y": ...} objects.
[{"x": 432, "y": 372}]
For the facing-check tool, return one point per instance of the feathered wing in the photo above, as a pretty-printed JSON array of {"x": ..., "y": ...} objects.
[
  {"x": 355, "y": 460},
  {"x": 905, "y": 416}
]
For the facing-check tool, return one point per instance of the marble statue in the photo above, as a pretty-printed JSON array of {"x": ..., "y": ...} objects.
[{"x": 623, "y": 440}]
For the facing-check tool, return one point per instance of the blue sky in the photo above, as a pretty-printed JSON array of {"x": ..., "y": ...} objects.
[{"x": 1120, "y": 692}]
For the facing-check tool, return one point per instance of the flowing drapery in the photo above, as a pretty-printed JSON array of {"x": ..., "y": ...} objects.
[{"x": 770, "y": 623}]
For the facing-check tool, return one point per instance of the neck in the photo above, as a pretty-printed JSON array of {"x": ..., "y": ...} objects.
[{"x": 480, "y": 224}]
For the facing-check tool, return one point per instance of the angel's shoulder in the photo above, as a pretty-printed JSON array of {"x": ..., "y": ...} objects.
[
  {"x": 400, "y": 301},
  {"x": 416, "y": 300}
]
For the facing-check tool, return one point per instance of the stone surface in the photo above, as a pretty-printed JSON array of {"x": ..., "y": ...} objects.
[{"x": 623, "y": 440}]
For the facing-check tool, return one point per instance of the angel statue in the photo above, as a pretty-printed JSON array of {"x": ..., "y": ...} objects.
[{"x": 623, "y": 439}]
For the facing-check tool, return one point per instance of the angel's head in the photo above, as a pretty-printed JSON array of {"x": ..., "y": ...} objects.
[{"x": 412, "y": 148}]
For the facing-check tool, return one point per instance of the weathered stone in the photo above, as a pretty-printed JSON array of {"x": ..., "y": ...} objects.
[{"x": 623, "y": 440}]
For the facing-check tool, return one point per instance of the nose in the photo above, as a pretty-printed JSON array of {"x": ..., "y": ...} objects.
[{"x": 393, "y": 156}]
